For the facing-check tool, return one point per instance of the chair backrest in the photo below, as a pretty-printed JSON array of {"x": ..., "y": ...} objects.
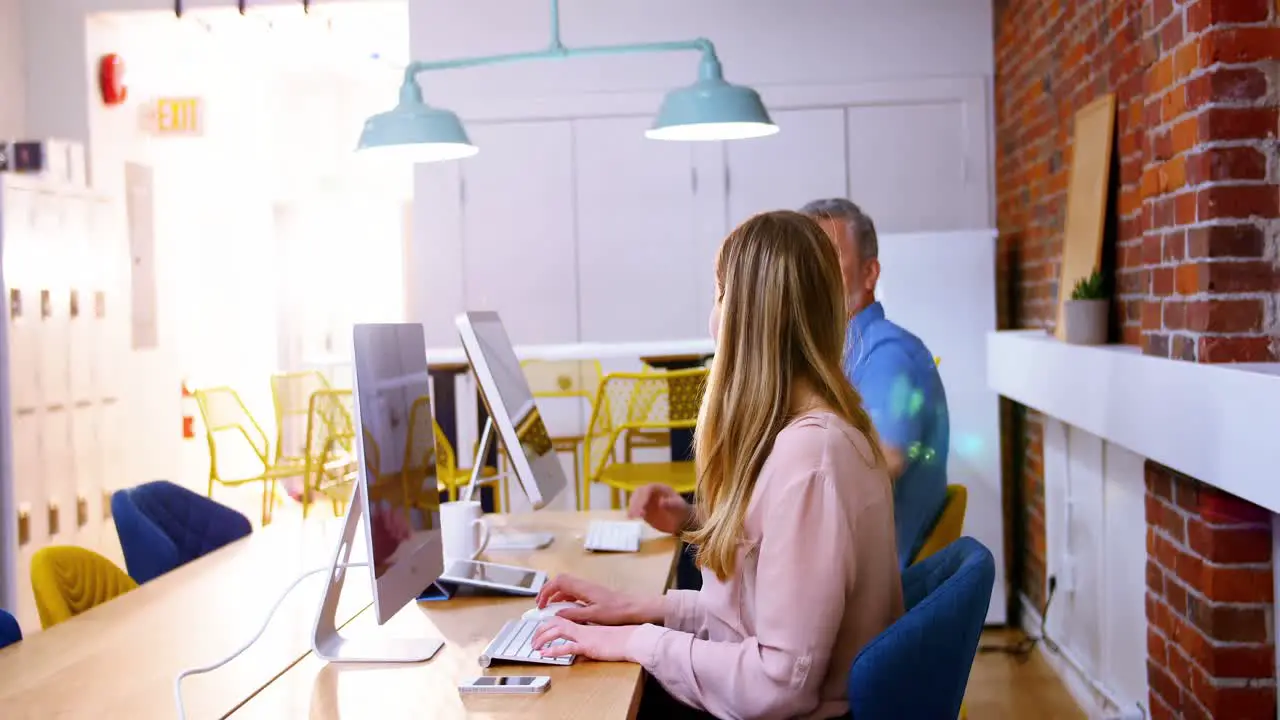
[
  {"x": 640, "y": 401},
  {"x": 10, "y": 632},
  {"x": 291, "y": 397},
  {"x": 948, "y": 526},
  {"x": 919, "y": 666},
  {"x": 226, "y": 419},
  {"x": 563, "y": 378},
  {"x": 148, "y": 552},
  {"x": 69, "y": 580},
  {"x": 194, "y": 524},
  {"x": 330, "y": 450}
]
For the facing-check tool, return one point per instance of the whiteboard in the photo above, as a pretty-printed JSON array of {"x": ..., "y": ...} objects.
[{"x": 941, "y": 286}]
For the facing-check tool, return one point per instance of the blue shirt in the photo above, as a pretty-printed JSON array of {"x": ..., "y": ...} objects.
[{"x": 900, "y": 386}]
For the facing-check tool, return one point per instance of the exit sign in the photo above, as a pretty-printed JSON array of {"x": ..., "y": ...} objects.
[{"x": 179, "y": 116}]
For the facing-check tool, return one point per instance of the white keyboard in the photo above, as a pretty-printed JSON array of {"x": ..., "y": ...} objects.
[
  {"x": 512, "y": 645},
  {"x": 613, "y": 536}
]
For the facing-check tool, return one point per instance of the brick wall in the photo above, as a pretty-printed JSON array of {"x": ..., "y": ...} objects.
[{"x": 1192, "y": 243}]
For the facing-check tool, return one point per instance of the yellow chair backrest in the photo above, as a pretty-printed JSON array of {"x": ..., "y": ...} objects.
[
  {"x": 69, "y": 580},
  {"x": 224, "y": 413},
  {"x": 949, "y": 525},
  {"x": 330, "y": 451},
  {"x": 563, "y": 378},
  {"x": 291, "y": 395},
  {"x": 640, "y": 401}
]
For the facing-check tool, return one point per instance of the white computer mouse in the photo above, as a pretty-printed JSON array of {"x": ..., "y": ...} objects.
[{"x": 549, "y": 611}]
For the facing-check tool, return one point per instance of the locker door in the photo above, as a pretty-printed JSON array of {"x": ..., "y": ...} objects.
[
  {"x": 54, "y": 385},
  {"x": 59, "y": 485},
  {"x": 86, "y": 456},
  {"x": 22, "y": 279},
  {"x": 106, "y": 457},
  {"x": 84, "y": 266},
  {"x": 33, "y": 531}
]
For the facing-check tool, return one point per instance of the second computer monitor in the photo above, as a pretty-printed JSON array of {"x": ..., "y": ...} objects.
[{"x": 511, "y": 407}]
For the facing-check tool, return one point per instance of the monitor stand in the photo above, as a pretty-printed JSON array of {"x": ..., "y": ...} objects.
[
  {"x": 477, "y": 465},
  {"x": 330, "y": 644},
  {"x": 500, "y": 540}
]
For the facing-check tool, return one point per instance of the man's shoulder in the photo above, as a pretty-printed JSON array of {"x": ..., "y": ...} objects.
[{"x": 890, "y": 342}]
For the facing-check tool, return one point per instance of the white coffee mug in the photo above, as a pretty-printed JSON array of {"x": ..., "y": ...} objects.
[{"x": 464, "y": 531}]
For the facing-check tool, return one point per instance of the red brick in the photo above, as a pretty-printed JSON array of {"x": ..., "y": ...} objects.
[
  {"x": 1239, "y": 45},
  {"x": 1175, "y": 248},
  {"x": 1238, "y": 201},
  {"x": 1184, "y": 136},
  {"x": 1217, "y": 349},
  {"x": 1229, "y": 545},
  {"x": 1225, "y": 241},
  {"x": 1163, "y": 685},
  {"x": 1175, "y": 314},
  {"x": 1238, "y": 703},
  {"x": 1228, "y": 623},
  {"x": 1157, "y": 481},
  {"x": 1235, "y": 123},
  {"x": 1203, "y": 13},
  {"x": 1221, "y": 583},
  {"x": 1225, "y": 316},
  {"x": 1151, "y": 315},
  {"x": 1246, "y": 276},
  {"x": 1226, "y": 163}
]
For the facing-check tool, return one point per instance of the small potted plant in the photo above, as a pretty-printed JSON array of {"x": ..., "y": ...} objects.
[{"x": 1084, "y": 316}]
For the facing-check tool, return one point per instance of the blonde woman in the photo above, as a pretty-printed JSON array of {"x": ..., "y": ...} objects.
[{"x": 795, "y": 531}]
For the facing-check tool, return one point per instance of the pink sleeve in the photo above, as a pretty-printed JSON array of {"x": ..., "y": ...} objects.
[
  {"x": 683, "y": 612},
  {"x": 799, "y": 609}
]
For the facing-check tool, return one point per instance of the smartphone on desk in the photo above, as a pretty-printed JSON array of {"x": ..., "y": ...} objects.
[{"x": 505, "y": 685}]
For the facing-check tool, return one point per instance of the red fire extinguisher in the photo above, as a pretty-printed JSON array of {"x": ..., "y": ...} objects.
[{"x": 188, "y": 413}]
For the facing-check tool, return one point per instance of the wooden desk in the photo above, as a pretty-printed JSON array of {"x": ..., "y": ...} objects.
[
  {"x": 119, "y": 660},
  {"x": 587, "y": 690}
]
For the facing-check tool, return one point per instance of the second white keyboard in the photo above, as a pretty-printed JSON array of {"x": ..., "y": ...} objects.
[{"x": 613, "y": 536}]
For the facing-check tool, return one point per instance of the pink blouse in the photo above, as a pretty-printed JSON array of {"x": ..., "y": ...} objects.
[{"x": 816, "y": 579}]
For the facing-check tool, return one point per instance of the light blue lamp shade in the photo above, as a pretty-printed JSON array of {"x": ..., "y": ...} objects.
[
  {"x": 415, "y": 131},
  {"x": 711, "y": 109}
]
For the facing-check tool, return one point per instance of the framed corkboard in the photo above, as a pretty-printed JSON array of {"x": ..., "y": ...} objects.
[{"x": 1087, "y": 183}]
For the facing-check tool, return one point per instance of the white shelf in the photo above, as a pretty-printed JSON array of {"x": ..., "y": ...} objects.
[{"x": 1217, "y": 423}]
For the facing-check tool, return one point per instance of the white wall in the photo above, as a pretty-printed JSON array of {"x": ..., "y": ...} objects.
[
  {"x": 1094, "y": 505},
  {"x": 12, "y": 82}
]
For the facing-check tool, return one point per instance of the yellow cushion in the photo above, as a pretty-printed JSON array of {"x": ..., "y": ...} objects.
[
  {"x": 70, "y": 580},
  {"x": 949, "y": 525}
]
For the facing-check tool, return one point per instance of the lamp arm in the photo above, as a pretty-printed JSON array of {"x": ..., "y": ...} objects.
[{"x": 558, "y": 52}]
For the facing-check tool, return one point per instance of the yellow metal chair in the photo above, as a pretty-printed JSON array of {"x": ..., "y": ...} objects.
[
  {"x": 947, "y": 528},
  {"x": 565, "y": 379},
  {"x": 229, "y": 426},
  {"x": 644, "y": 402},
  {"x": 449, "y": 475},
  {"x": 329, "y": 454},
  {"x": 291, "y": 394},
  {"x": 69, "y": 580}
]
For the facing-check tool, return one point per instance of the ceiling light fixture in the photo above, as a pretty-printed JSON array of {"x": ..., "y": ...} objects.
[{"x": 709, "y": 109}]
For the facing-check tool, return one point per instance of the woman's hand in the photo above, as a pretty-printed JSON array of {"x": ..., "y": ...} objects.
[
  {"x": 598, "y": 604},
  {"x": 596, "y": 642}
]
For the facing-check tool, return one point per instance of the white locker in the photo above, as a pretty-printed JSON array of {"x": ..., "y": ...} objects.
[
  {"x": 22, "y": 284},
  {"x": 87, "y": 472},
  {"x": 59, "y": 483},
  {"x": 32, "y": 532},
  {"x": 85, "y": 264},
  {"x": 54, "y": 289}
]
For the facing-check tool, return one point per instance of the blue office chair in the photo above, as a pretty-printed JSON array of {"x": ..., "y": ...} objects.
[
  {"x": 10, "y": 632},
  {"x": 919, "y": 666},
  {"x": 163, "y": 526}
]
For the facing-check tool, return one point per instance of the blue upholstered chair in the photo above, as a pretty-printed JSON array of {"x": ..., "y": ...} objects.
[
  {"x": 10, "y": 633},
  {"x": 919, "y": 667},
  {"x": 163, "y": 526}
]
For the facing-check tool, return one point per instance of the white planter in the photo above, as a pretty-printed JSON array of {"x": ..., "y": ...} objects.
[{"x": 1085, "y": 322}]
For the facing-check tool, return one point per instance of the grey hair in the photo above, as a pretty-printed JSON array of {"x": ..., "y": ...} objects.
[{"x": 861, "y": 228}]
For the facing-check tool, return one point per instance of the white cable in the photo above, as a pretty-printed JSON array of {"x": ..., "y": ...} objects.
[{"x": 177, "y": 682}]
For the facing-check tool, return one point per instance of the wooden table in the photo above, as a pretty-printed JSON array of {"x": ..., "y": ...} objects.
[
  {"x": 587, "y": 690},
  {"x": 119, "y": 660}
]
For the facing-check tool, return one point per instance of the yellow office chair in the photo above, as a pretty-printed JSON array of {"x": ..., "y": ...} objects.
[
  {"x": 567, "y": 379},
  {"x": 329, "y": 454},
  {"x": 448, "y": 474},
  {"x": 947, "y": 528},
  {"x": 639, "y": 402},
  {"x": 69, "y": 580},
  {"x": 229, "y": 426},
  {"x": 291, "y": 397}
]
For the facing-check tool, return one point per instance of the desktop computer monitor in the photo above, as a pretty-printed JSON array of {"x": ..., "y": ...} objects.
[
  {"x": 512, "y": 410},
  {"x": 396, "y": 492}
]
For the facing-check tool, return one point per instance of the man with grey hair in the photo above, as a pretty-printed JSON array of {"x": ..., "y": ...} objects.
[
  {"x": 896, "y": 375},
  {"x": 897, "y": 378}
]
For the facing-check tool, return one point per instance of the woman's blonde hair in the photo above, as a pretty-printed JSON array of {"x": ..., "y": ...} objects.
[{"x": 782, "y": 320}]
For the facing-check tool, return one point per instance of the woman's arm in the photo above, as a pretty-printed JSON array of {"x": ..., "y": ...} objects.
[{"x": 799, "y": 607}]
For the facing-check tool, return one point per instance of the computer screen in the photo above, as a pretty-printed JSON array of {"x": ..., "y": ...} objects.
[
  {"x": 511, "y": 405},
  {"x": 397, "y": 462}
]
